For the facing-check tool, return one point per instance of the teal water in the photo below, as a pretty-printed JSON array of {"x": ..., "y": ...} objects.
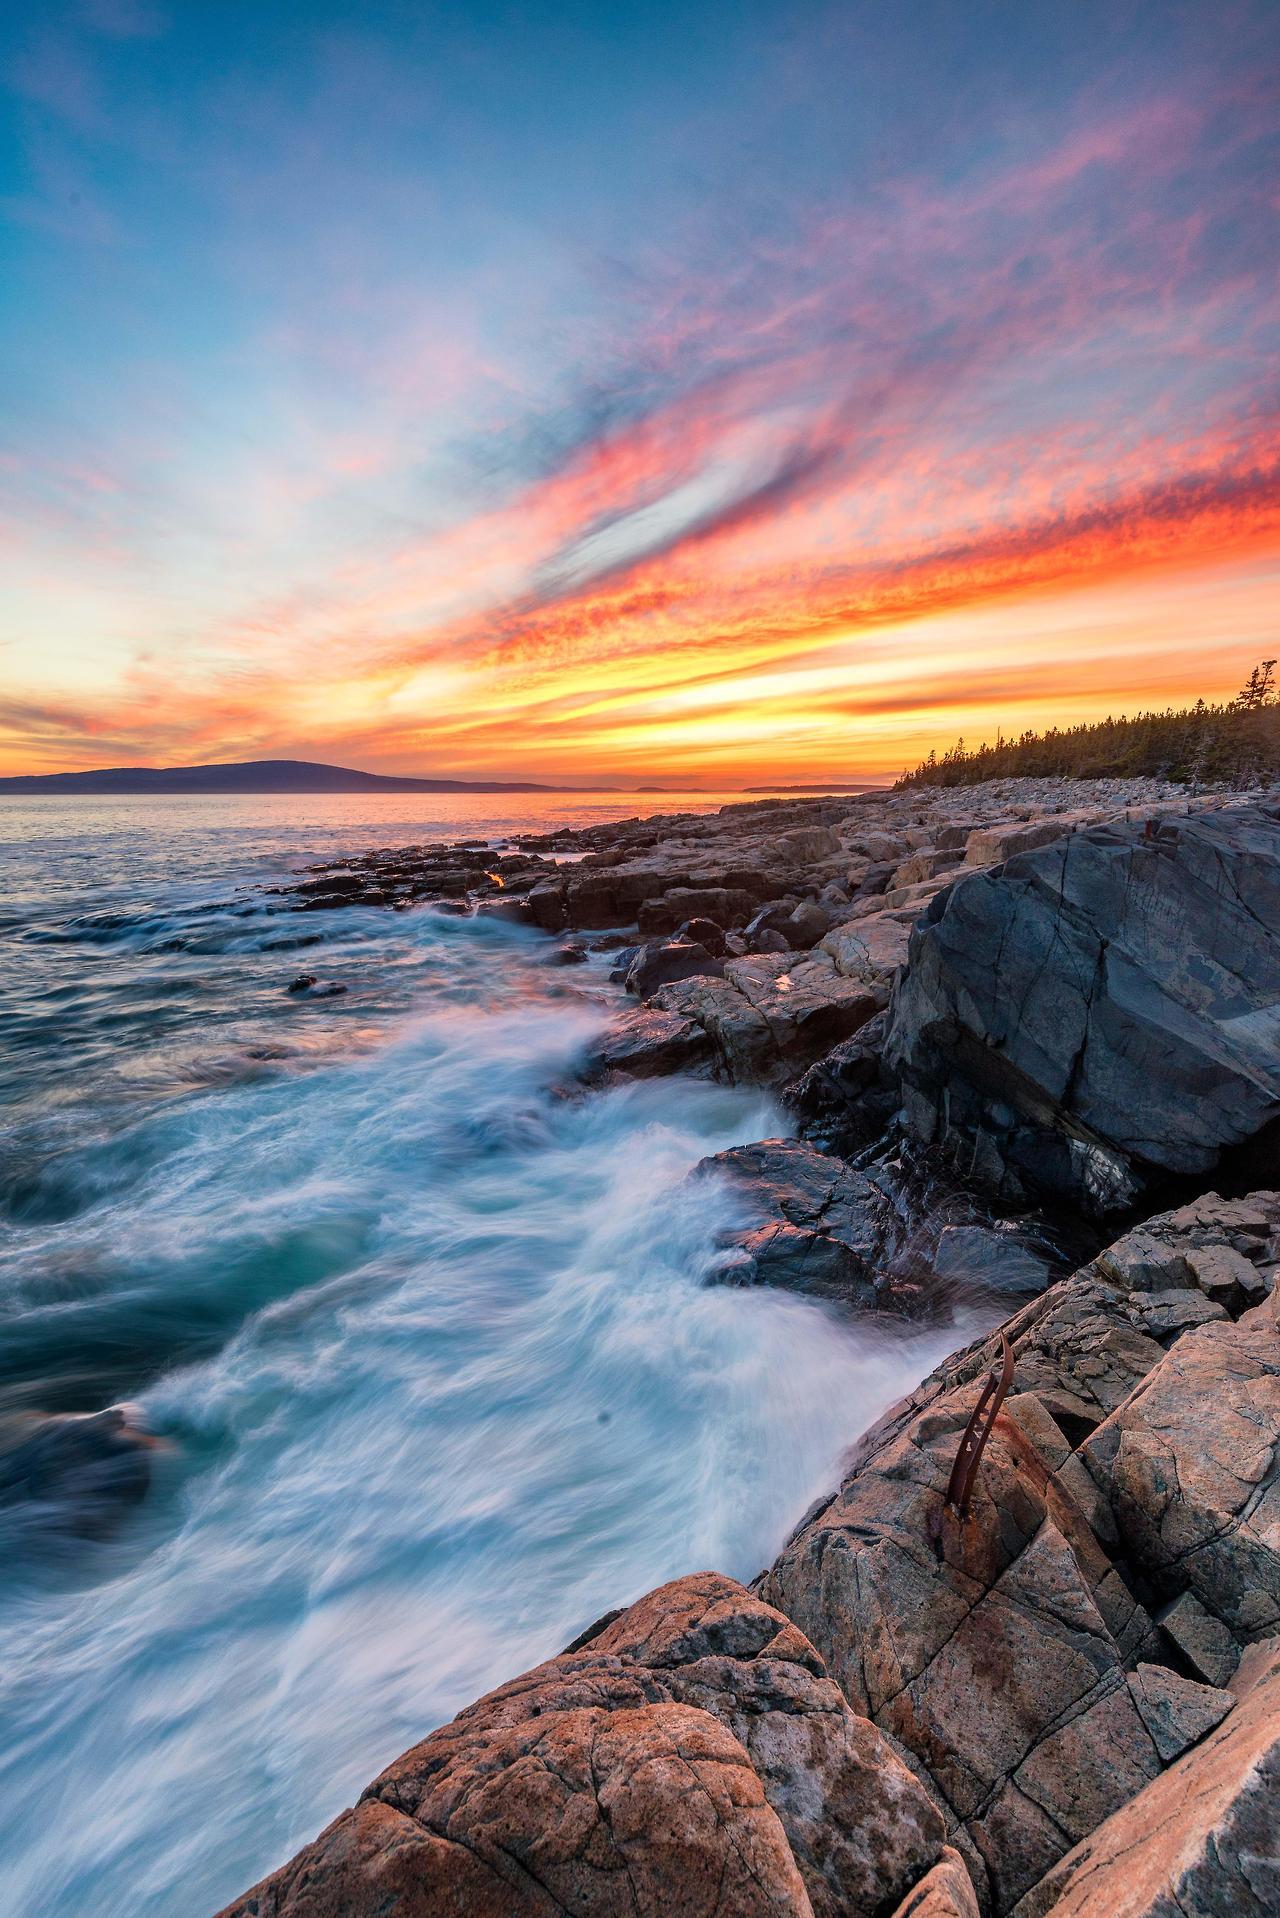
[{"x": 424, "y": 1336}]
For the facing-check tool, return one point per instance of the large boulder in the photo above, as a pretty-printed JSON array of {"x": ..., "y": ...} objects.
[
  {"x": 1188, "y": 1469},
  {"x": 807, "y": 1221},
  {"x": 1202, "y": 1839},
  {"x": 689, "y": 1758},
  {"x": 1101, "y": 1011},
  {"x": 1046, "y": 1656}
]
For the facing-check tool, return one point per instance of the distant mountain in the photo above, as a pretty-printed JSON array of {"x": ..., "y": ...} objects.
[{"x": 256, "y": 776}]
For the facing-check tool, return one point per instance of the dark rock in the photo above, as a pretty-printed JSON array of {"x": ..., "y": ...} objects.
[
  {"x": 76, "y": 1473},
  {"x": 547, "y": 905},
  {"x": 768, "y": 939},
  {"x": 771, "y": 1015},
  {"x": 691, "y": 1758},
  {"x": 875, "y": 879},
  {"x": 1177, "y": 1712},
  {"x": 663, "y": 961},
  {"x": 772, "y": 918},
  {"x": 649, "y": 1044},
  {"x": 985, "y": 1257},
  {"x": 846, "y": 1099},
  {"x": 720, "y": 905},
  {"x": 705, "y": 933},
  {"x": 806, "y": 925},
  {"x": 1203, "y": 1641},
  {"x": 307, "y": 986},
  {"x": 566, "y": 956},
  {"x": 515, "y": 912},
  {"x": 622, "y": 962},
  {"x": 808, "y": 1221},
  {"x": 1100, "y": 1011}
]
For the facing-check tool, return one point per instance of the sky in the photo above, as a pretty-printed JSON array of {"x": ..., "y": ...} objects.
[{"x": 699, "y": 393}]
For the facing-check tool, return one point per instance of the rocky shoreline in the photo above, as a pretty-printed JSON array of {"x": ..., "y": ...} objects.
[{"x": 1021, "y": 1029}]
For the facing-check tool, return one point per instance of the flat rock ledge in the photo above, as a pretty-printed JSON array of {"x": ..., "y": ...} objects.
[{"x": 1064, "y": 1704}]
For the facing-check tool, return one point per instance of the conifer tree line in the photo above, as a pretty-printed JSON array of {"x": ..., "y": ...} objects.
[{"x": 1235, "y": 743}]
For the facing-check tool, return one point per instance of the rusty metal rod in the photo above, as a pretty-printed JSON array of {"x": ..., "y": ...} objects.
[{"x": 976, "y": 1433}]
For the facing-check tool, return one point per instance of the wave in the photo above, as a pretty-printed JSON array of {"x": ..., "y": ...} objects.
[{"x": 425, "y": 1341}]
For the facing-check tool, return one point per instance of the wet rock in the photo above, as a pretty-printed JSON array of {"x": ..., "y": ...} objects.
[
  {"x": 307, "y": 986},
  {"x": 1102, "y": 1011},
  {"x": 569, "y": 955},
  {"x": 809, "y": 1222},
  {"x": 515, "y": 912},
  {"x": 846, "y": 1100},
  {"x": 1203, "y": 1838},
  {"x": 75, "y": 1473},
  {"x": 663, "y": 961},
  {"x": 691, "y": 1758},
  {"x": 994, "y": 1260},
  {"x": 547, "y": 905},
  {"x": 649, "y": 1044}
]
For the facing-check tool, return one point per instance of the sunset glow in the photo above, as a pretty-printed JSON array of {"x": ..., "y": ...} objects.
[{"x": 589, "y": 398}]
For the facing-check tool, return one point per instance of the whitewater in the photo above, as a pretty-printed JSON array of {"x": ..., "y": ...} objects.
[{"x": 422, "y": 1331}]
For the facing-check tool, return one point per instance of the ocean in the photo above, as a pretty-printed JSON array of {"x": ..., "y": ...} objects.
[{"x": 421, "y": 1330}]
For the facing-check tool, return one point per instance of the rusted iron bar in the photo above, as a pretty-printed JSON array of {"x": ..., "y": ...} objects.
[{"x": 976, "y": 1433}]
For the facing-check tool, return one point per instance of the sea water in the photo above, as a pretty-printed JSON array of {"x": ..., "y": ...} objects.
[{"x": 422, "y": 1330}]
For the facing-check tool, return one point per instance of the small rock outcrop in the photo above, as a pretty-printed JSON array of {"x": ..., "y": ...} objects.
[
  {"x": 688, "y": 1759},
  {"x": 74, "y": 1475},
  {"x": 1102, "y": 1010},
  {"x": 810, "y": 1223}
]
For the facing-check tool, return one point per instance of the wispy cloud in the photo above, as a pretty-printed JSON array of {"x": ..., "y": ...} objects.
[{"x": 447, "y": 487}]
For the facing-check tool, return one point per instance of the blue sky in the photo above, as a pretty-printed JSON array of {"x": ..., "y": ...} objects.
[{"x": 388, "y": 383}]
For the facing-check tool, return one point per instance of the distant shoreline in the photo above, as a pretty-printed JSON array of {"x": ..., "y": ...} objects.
[{"x": 257, "y": 776}]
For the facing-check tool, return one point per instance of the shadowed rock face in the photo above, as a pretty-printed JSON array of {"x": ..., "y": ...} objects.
[
  {"x": 689, "y": 1760},
  {"x": 1102, "y": 1009}
]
